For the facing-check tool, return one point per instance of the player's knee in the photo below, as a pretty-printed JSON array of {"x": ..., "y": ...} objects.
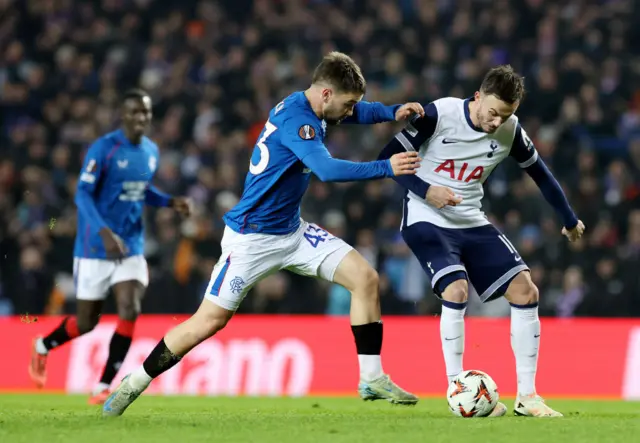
[
  {"x": 367, "y": 282},
  {"x": 128, "y": 310},
  {"x": 522, "y": 291},
  {"x": 86, "y": 324},
  {"x": 456, "y": 292},
  {"x": 528, "y": 295}
]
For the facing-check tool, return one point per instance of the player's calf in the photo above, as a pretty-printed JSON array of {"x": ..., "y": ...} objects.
[
  {"x": 128, "y": 295},
  {"x": 357, "y": 275},
  {"x": 209, "y": 319},
  {"x": 69, "y": 329},
  {"x": 525, "y": 331},
  {"x": 454, "y": 292}
]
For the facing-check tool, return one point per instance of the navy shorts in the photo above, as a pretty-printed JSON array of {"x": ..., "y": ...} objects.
[{"x": 483, "y": 254}]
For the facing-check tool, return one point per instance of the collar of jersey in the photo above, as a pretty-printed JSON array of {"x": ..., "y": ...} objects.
[
  {"x": 120, "y": 137},
  {"x": 467, "y": 115}
]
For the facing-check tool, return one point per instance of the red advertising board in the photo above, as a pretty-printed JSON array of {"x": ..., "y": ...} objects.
[{"x": 315, "y": 355}]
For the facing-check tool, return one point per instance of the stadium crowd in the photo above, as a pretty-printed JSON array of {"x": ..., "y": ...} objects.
[{"x": 214, "y": 70}]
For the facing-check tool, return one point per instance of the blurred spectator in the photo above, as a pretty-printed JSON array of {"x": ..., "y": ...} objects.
[{"x": 214, "y": 69}]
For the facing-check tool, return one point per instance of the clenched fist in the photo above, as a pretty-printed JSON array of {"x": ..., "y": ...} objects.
[{"x": 575, "y": 233}]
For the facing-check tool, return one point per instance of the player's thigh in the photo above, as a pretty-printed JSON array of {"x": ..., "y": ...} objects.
[
  {"x": 92, "y": 278},
  {"x": 245, "y": 260},
  {"x": 131, "y": 269},
  {"x": 316, "y": 252},
  {"x": 438, "y": 251},
  {"x": 356, "y": 274},
  {"x": 491, "y": 260}
]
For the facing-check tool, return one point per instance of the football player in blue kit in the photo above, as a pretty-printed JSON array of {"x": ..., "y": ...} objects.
[
  {"x": 264, "y": 232},
  {"x": 114, "y": 185}
]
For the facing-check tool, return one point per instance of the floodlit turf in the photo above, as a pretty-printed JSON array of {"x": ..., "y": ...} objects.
[{"x": 68, "y": 419}]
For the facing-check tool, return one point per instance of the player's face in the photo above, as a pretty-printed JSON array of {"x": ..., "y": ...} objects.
[
  {"x": 136, "y": 115},
  {"x": 492, "y": 112},
  {"x": 338, "y": 106}
]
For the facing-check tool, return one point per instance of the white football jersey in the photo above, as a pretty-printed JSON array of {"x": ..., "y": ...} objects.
[{"x": 457, "y": 155}]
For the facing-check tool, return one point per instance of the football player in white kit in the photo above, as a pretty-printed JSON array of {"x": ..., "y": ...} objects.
[{"x": 461, "y": 142}]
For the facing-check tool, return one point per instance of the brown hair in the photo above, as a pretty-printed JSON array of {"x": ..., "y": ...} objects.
[
  {"x": 503, "y": 82},
  {"x": 341, "y": 72}
]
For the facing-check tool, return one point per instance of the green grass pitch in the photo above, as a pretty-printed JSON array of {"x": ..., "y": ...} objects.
[{"x": 68, "y": 419}]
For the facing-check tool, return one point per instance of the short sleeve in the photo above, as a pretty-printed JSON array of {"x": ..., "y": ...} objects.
[{"x": 419, "y": 129}]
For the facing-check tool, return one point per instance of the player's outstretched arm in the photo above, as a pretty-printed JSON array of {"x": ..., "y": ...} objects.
[
  {"x": 367, "y": 113},
  {"x": 524, "y": 152},
  {"x": 329, "y": 169},
  {"x": 411, "y": 182},
  {"x": 300, "y": 135}
]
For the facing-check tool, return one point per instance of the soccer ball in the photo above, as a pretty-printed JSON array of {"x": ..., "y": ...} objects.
[{"x": 472, "y": 394}]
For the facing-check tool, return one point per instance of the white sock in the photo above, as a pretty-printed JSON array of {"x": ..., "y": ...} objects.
[
  {"x": 452, "y": 337},
  {"x": 525, "y": 342},
  {"x": 140, "y": 379},
  {"x": 99, "y": 388},
  {"x": 370, "y": 367},
  {"x": 40, "y": 347}
]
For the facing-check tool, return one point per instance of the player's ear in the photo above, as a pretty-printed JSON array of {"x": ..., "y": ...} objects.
[
  {"x": 476, "y": 96},
  {"x": 327, "y": 93}
]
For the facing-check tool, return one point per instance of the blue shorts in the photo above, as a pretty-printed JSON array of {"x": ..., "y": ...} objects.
[{"x": 483, "y": 255}]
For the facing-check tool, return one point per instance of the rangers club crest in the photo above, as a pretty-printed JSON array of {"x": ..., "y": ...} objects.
[
  {"x": 306, "y": 132},
  {"x": 236, "y": 285}
]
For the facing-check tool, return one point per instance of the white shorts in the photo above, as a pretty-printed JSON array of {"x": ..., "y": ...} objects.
[
  {"x": 248, "y": 258},
  {"x": 94, "y": 276}
]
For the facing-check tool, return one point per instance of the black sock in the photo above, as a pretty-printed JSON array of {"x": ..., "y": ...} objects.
[
  {"x": 368, "y": 338},
  {"x": 160, "y": 360},
  {"x": 118, "y": 349},
  {"x": 66, "y": 331}
]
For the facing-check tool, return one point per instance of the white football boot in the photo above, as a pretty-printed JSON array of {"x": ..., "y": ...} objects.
[{"x": 533, "y": 406}]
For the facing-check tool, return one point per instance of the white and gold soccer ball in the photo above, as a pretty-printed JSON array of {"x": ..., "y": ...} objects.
[{"x": 472, "y": 394}]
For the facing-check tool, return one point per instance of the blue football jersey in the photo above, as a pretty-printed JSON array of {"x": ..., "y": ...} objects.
[
  {"x": 277, "y": 177},
  {"x": 112, "y": 188},
  {"x": 289, "y": 148}
]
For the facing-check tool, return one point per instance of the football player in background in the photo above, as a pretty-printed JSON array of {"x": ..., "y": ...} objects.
[{"x": 114, "y": 185}]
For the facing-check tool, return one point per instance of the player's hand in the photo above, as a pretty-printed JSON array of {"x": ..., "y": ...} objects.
[
  {"x": 182, "y": 206},
  {"x": 575, "y": 233},
  {"x": 113, "y": 245},
  {"x": 441, "y": 196},
  {"x": 408, "y": 110},
  {"x": 405, "y": 163}
]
